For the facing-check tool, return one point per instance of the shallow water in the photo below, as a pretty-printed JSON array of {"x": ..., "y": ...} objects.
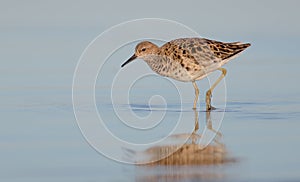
[{"x": 40, "y": 139}]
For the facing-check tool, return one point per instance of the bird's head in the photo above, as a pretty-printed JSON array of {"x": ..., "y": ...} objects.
[{"x": 143, "y": 50}]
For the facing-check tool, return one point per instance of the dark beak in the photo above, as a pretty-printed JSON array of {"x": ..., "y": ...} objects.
[{"x": 129, "y": 60}]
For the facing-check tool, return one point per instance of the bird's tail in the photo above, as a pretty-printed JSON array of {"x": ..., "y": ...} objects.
[{"x": 234, "y": 48}]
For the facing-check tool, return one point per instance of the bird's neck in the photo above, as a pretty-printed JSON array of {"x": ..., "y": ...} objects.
[{"x": 155, "y": 62}]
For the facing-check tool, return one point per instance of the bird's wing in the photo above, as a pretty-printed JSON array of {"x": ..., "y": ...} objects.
[
  {"x": 226, "y": 51},
  {"x": 192, "y": 53},
  {"x": 206, "y": 53}
]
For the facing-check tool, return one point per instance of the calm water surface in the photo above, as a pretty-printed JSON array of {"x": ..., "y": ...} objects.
[{"x": 40, "y": 139}]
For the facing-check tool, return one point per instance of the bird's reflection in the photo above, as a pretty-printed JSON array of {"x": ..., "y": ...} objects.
[
  {"x": 190, "y": 162},
  {"x": 192, "y": 152}
]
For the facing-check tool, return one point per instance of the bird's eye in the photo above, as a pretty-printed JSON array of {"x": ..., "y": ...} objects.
[{"x": 143, "y": 49}]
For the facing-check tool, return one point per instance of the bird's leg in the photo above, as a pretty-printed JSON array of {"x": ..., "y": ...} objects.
[
  {"x": 209, "y": 92},
  {"x": 196, "y": 94}
]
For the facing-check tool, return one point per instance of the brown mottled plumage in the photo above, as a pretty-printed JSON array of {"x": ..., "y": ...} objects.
[{"x": 188, "y": 59}]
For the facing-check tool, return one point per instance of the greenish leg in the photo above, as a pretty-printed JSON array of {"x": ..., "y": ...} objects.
[
  {"x": 209, "y": 92},
  {"x": 196, "y": 94}
]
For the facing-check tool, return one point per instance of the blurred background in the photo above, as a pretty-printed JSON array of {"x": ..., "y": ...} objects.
[{"x": 41, "y": 42}]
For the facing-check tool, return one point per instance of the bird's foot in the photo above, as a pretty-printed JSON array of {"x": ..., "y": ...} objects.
[{"x": 210, "y": 108}]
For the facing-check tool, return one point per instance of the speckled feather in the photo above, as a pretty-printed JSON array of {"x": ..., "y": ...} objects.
[
  {"x": 199, "y": 56},
  {"x": 188, "y": 59}
]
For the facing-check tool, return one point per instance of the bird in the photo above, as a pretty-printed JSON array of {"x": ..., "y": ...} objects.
[{"x": 189, "y": 60}]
